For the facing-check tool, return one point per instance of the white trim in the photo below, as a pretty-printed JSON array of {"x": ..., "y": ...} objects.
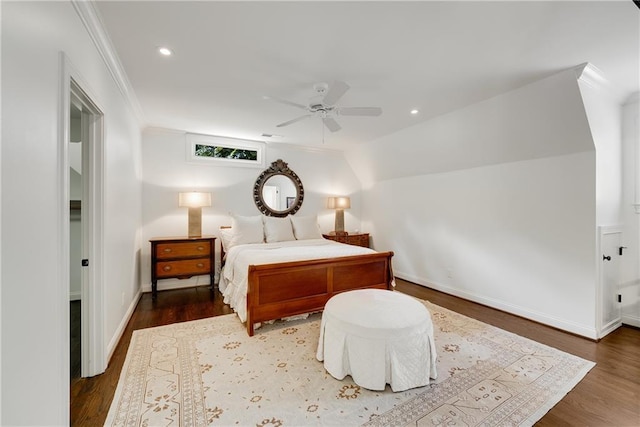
[
  {"x": 92, "y": 22},
  {"x": 307, "y": 148},
  {"x": 75, "y": 296},
  {"x": 631, "y": 320},
  {"x": 93, "y": 358},
  {"x": 1, "y": 232},
  {"x": 111, "y": 348},
  {"x": 590, "y": 75},
  {"x": 565, "y": 325},
  {"x": 170, "y": 284},
  {"x": 193, "y": 139},
  {"x": 64, "y": 224}
]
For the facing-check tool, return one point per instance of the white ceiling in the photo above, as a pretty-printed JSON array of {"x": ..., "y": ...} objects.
[{"x": 433, "y": 56}]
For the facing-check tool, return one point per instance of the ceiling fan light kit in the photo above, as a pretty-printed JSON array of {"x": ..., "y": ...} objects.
[{"x": 322, "y": 105}]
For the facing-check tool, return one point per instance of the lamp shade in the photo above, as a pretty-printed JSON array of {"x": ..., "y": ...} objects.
[
  {"x": 339, "y": 203},
  {"x": 194, "y": 199}
]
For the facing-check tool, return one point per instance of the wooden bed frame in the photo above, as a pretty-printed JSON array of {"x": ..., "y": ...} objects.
[{"x": 290, "y": 288}]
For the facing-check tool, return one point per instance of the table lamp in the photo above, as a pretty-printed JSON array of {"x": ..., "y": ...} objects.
[
  {"x": 339, "y": 204},
  {"x": 194, "y": 200}
]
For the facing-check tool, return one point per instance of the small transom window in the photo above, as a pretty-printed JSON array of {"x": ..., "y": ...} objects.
[{"x": 228, "y": 151}]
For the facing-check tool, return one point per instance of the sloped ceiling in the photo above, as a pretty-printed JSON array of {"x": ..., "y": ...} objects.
[
  {"x": 433, "y": 56},
  {"x": 546, "y": 118}
]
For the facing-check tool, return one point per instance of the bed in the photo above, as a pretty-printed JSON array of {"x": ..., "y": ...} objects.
[{"x": 285, "y": 278}]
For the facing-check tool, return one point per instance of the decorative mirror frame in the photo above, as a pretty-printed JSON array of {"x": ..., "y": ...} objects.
[{"x": 279, "y": 167}]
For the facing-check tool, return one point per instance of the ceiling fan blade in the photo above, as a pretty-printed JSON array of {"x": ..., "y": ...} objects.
[
  {"x": 335, "y": 92},
  {"x": 284, "y": 101},
  {"x": 359, "y": 111},
  {"x": 331, "y": 124},
  {"x": 297, "y": 119}
]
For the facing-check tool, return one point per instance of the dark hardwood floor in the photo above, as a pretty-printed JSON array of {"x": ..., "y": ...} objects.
[
  {"x": 608, "y": 396},
  {"x": 75, "y": 340}
]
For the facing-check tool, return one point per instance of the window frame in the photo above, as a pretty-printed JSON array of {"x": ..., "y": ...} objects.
[{"x": 219, "y": 141}]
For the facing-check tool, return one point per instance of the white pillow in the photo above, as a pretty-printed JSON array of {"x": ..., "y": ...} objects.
[
  {"x": 226, "y": 234},
  {"x": 277, "y": 229},
  {"x": 246, "y": 229},
  {"x": 306, "y": 227}
]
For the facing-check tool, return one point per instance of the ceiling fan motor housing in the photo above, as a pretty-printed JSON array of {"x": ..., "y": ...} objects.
[{"x": 321, "y": 88}]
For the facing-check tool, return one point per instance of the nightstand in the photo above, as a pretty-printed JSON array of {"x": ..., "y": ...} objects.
[
  {"x": 357, "y": 239},
  {"x": 181, "y": 258}
]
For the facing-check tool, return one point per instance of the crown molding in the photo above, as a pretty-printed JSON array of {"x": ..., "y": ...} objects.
[
  {"x": 308, "y": 148},
  {"x": 591, "y": 75},
  {"x": 90, "y": 18}
]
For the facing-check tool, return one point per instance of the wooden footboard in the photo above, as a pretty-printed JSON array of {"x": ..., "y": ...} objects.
[{"x": 287, "y": 289}]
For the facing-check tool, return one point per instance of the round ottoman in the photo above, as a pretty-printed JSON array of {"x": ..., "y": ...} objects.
[{"x": 378, "y": 337}]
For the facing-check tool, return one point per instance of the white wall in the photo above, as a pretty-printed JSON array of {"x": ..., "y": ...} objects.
[
  {"x": 166, "y": 172},
  {"x": 511, "y": 223},
  {"x": 34, "y": 310},
  {"x": 516, "y": 236},
  {"x": 604, "y": 118},
  {"x": 630, "y": 268}
]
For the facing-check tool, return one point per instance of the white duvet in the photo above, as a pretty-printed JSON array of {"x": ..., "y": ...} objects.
[{"x": 234, "y": 275}]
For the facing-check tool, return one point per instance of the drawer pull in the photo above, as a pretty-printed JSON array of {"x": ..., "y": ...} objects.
[
  {"x": 167, "y": 268},
  {"x": 167, "y": 250},
  {"x": 200, "y": 265},
  {"x": 201, "y": 248}
]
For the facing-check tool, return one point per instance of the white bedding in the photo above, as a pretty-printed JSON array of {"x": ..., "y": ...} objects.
[{"x": 234, "y": 275}]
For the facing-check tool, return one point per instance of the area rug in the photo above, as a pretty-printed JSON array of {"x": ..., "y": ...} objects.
[{"x": 209, "y": 372}]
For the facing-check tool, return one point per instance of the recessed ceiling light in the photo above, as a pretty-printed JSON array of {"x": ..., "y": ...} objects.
[
  {"x": 414, "y": 112},
  {"x": 165, "y": 51}
]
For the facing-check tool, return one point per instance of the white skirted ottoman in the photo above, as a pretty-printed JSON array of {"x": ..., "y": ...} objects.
[{"x": 378, "y": 337}]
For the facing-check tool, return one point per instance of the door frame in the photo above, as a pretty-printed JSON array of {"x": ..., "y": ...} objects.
[{"x": 92, "y": 328}]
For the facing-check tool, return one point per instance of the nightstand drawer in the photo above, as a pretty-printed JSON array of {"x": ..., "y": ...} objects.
[
  {"x": 174, "y": 250},
  {"x": 181, "y": 258},
  {"x": 187, "y": 267}
]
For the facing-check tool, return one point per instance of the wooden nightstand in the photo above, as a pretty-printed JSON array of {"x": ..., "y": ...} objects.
[
  {"x": 181, "y": 258},
  {"x": 357, "y": 239}
]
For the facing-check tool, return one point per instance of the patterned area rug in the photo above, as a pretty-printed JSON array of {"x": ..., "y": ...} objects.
[{"x": 209, "y": 372}]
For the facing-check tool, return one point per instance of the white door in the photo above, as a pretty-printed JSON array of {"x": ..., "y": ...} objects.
[{"x": 610, "y": 313}]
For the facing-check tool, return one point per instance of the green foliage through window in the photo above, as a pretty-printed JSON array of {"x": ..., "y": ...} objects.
[{"x": 219, "y": 152}]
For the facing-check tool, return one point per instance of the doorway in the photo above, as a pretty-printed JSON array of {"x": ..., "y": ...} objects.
[
  {"x": 76, "y": 234},
  {"x": 81, "y": 166}
]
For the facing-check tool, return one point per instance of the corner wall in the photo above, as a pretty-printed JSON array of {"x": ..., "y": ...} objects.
[{"x": 494, "y": 203}]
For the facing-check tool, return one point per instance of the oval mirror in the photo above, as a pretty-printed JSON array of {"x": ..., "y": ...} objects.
[{"x": 278, "y": 191}]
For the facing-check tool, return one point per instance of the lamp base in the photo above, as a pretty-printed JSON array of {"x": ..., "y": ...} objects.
[
  {"x": 195, "y": 222},
  {"x": 339, "y": 224}
]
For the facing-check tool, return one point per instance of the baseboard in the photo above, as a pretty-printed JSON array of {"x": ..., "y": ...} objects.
[
  {"x": 631, "y": 320},
  {"x": 168, "y": 284},
  {"x": 536, "y": 316},
  {"x": 122, "y": 326}
]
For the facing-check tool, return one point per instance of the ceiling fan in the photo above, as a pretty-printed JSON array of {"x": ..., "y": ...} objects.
[{"x": 323, "y": 105}]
